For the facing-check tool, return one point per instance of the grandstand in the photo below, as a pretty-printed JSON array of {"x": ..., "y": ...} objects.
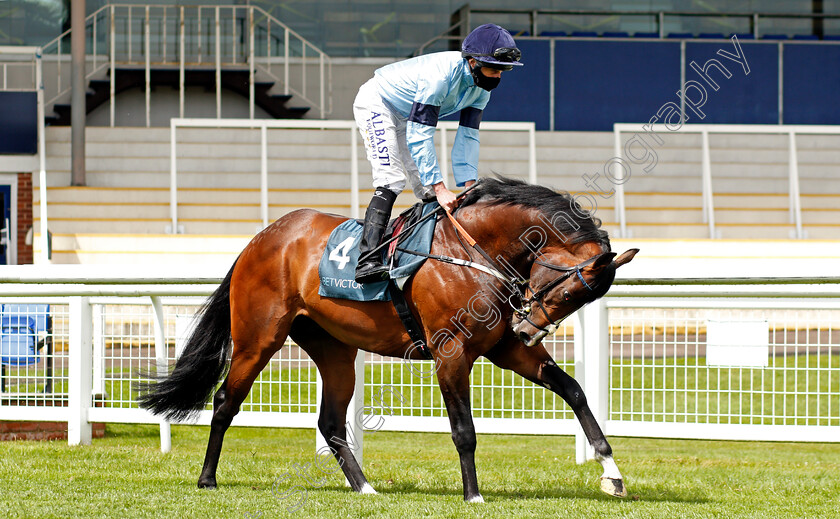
[{"x": 586, "y": 70}]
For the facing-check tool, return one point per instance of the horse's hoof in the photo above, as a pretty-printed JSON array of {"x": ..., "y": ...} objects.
[
  {"x": 613, "y": 487},
  {"x": 476, "y": 499},
  {"x": 208, "y": 484},
  {"x": 367, "y": 489}
]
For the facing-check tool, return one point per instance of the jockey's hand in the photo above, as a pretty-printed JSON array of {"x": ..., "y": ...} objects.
[
  {"x": 445, "y": 197},
  {"x": 468, "y": 184}
]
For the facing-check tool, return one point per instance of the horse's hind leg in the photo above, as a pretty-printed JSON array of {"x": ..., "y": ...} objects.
[
  {"x": 335, "y": 362},
  {"x": 536, "y": 365},
  {"x": 253, "y": 348}
]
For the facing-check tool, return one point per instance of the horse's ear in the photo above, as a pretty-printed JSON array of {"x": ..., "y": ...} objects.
[
  {"x": 626, "y": 257},
  {"x": 603, "y": 260}
]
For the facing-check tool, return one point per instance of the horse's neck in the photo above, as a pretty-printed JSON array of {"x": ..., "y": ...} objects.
[
  {"x": 501, "y": 231},
  {"x": 514, "y": 233}
]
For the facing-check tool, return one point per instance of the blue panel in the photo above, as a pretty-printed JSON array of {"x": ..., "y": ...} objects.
[
  {"x": 17, "y": 340},
  {"x": 19, "y": 128},
  {"x": 523, "y": 94},
  {"x": 599, "y": 83},
  {"x": 39, "y": 312},
  {"x": 812, "y": 81},
  {"x": 741, "y": 99}
]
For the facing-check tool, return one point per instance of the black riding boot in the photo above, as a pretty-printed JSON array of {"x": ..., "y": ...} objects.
[{"x": 371, "y": 268}]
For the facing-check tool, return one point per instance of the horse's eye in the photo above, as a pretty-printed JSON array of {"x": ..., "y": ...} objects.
[{"x": 566, "y": 295}]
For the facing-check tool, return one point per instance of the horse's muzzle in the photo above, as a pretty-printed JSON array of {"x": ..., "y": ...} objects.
[{"x": 538, "y": 334}]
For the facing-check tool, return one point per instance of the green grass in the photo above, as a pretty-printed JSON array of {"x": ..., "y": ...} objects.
[{"x": 417, "y": 475}]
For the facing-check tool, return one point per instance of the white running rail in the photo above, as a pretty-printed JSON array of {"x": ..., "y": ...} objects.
[{"x": 640, "y": 354}]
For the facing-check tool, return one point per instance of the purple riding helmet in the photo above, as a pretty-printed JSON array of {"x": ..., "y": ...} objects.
[{"x": 491, "y": 46}]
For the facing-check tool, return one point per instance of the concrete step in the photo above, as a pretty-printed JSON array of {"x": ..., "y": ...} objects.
[
  {"x": 668, "y": 231},
  {"x": 822, "y": 232},
  {"x": 756, "y": 202},
  {"x": 751, "y": 216},
  {"x": 829, "y": 217},
  {"x": 724, "y": 231},
  {"x": 112, "y": 210},
  {"x": 106, "y": 226},
  {"x": 819, "y": 201},
  {"x": 673, "y": 215},
  {"x": 145, "y": 249},
  {"x": 756, "y": 231},
  {"x": 82, "y": 195},
  {"x": 673, "y": 199}
]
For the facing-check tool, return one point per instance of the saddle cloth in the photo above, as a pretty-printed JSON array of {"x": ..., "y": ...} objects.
[{"x": 341, "y": 255}]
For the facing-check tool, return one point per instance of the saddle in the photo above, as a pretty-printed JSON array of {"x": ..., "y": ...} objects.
[
  {"x": 405, "y": 220},
  {"x": 404, "y": 255}
]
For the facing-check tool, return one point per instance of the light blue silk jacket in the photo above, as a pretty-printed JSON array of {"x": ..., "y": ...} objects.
[{"x": 429, "y": 87}]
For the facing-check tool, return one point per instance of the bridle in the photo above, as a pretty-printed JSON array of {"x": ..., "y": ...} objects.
[
  {"x": 537, "y": 296},
  {"x": 520, "y": 285}
]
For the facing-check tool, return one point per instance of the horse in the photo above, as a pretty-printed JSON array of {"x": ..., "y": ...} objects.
[{"x": 542, "y": 258}]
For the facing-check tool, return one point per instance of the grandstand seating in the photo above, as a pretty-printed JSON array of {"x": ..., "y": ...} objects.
[{"x": 128, "y": 175}]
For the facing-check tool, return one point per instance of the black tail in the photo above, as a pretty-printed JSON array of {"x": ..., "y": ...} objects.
[{"x": 185, "y": 391}]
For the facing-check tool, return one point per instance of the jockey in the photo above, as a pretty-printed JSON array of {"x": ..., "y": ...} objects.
[{"x": 397, "y": 112}]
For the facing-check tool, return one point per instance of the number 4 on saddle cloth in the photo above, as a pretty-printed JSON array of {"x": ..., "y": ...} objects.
[{"x": 338, "y": 263}]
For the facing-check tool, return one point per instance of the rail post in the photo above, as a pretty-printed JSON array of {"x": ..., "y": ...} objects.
[{"x": 80, "y": 384}]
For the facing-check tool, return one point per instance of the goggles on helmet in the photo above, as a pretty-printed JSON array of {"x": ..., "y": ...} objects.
[{"x": 502, "y": 56}]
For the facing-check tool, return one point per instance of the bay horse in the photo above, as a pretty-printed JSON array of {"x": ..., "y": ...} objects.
[{"x": 543, "y": 258}]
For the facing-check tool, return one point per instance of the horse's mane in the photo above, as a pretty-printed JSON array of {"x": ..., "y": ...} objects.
[{"x": 503, "y": 190}]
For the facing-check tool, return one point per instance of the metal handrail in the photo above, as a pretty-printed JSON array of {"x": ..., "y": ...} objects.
[
  {"x": 188, "y": 26},
  {"x": 263, "y": 125},
  {"x": 795, "y": 205},
  {"x": 659, "y": 16}
]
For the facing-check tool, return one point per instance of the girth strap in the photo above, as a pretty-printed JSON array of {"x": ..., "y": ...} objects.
[{"x": 415, "y": 332}]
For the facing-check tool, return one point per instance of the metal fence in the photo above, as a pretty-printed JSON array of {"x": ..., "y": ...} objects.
[
  {"x": 244, "y": 126},
  {"x": 623, "y": 153},
  {"x": 644, "y": 356}
]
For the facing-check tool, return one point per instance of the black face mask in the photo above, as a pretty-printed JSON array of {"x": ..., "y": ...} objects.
[{"x": 482, "y": 81}]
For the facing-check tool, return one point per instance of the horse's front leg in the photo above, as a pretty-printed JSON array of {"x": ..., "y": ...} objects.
[
  {"x": 536, "y": 365},
  {"x": 454, "y": 380}
]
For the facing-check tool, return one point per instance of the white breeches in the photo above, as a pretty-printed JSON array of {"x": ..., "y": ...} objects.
[{"x": 383, "y": 133}]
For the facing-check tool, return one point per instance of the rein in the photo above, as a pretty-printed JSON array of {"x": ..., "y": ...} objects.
[{"x": 517, "y": 282}]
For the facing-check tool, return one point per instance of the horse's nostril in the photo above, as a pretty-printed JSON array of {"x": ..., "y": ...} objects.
[{"x": 524, "y": 337}]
